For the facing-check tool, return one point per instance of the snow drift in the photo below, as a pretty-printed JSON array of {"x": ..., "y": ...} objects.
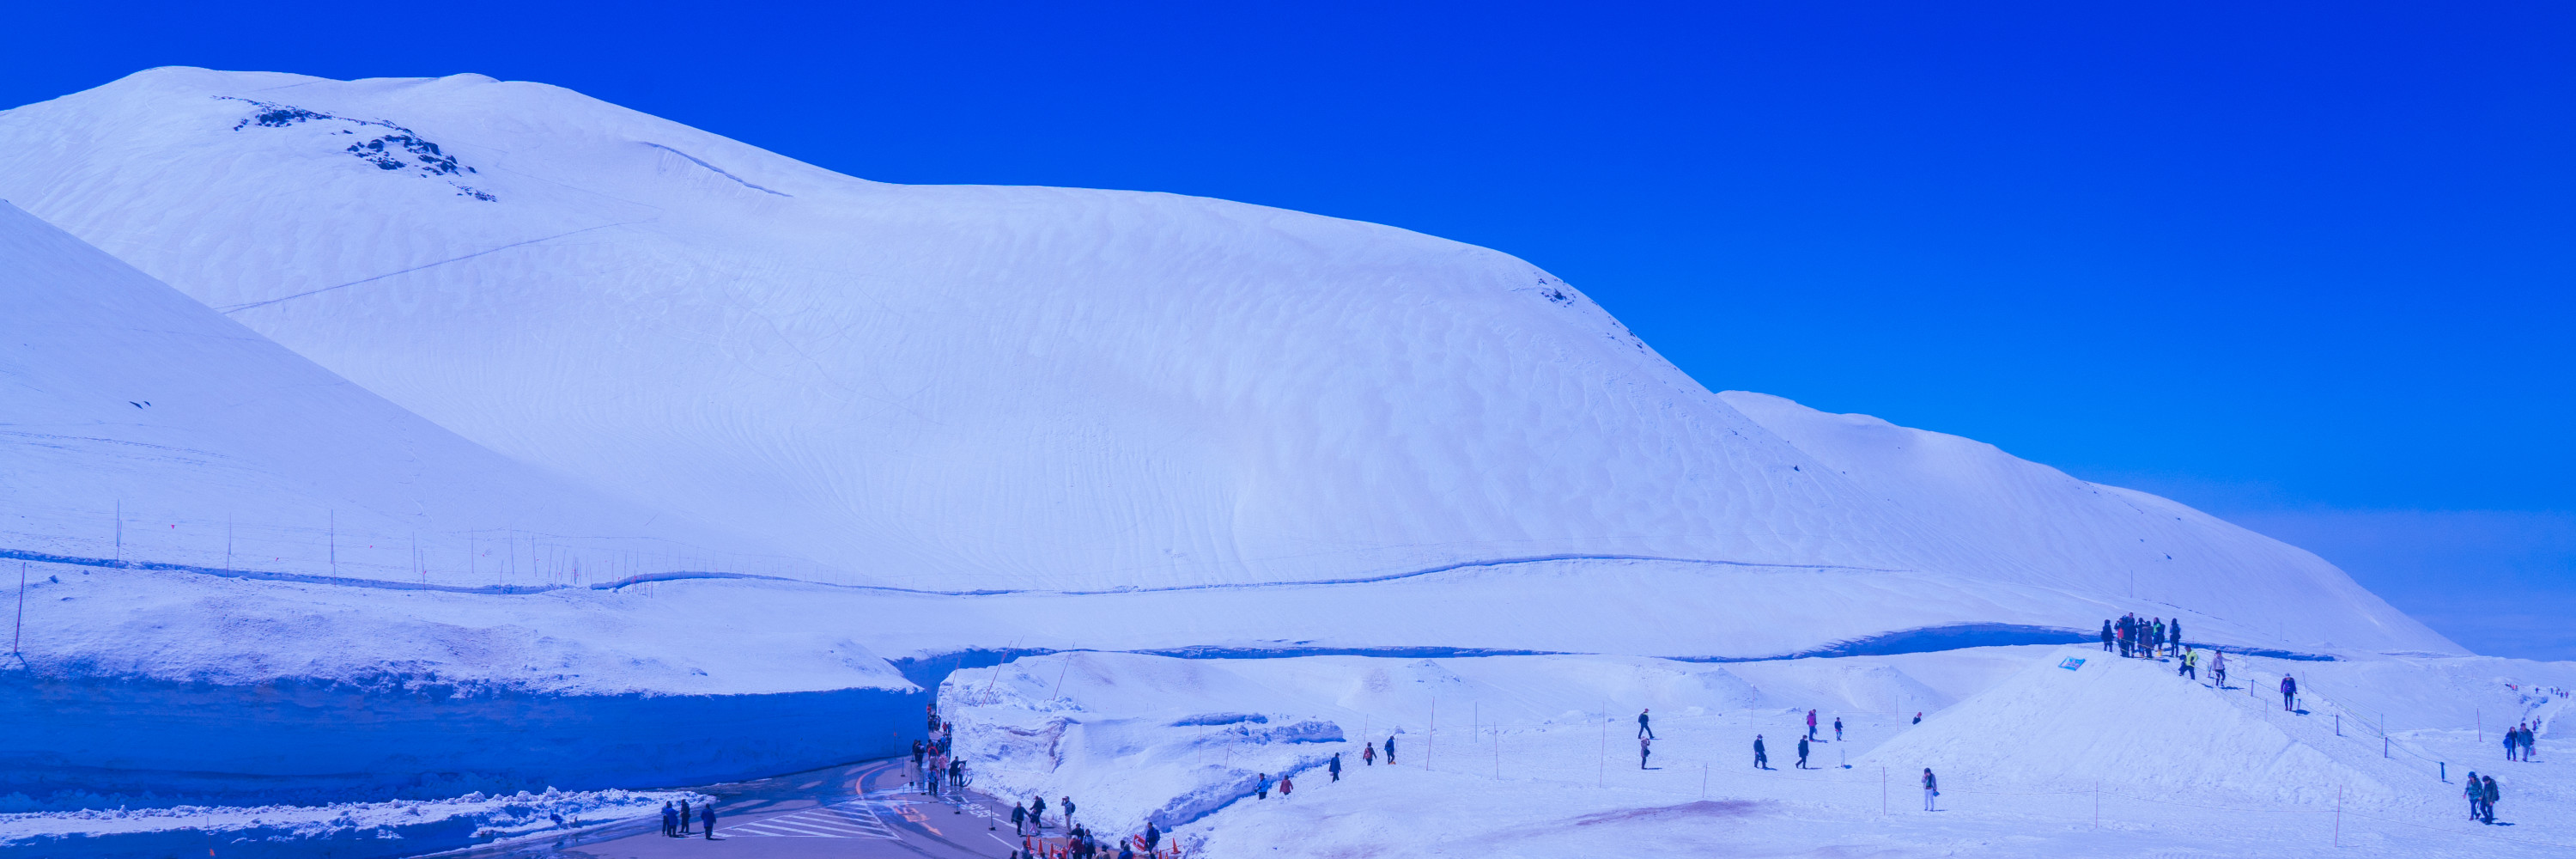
[{"x": 962, "y": 388}]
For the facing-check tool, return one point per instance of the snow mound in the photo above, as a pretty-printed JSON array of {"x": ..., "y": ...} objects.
[
  {"x": 2136, "y": 728},
  {"x": 995, "y": 388}
]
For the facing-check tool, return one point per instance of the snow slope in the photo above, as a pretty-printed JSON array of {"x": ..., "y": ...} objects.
[
  {"x": 981, "y": 387},
  {"x": 118, "y": 391}
]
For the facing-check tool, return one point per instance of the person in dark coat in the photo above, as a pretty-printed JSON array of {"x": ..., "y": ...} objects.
[
  {"x": 685, "y": 818},
  {"x": 1390, "y": 751},
  {"x": 1019, "y": 819},
  {"x": 1802, "y": 753},
  {"x": 2106, "y": 636},
  {"x": 1153, "y": 837},
  {"x": 1761, "y": 761},
  {"x": 2491, "y": 796},
  {"x": 707, "y": 815},
  {"x": 1645, "y": 730},
  {"x": 2289, "y": 692},
  {"x": 670, "y": 821},
  {"x": 1335, "y": 767}
]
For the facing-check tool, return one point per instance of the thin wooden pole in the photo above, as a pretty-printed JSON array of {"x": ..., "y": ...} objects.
[{"x": 21, "y": 628}]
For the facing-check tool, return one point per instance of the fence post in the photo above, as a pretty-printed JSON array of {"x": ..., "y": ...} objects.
[{"x": 2338, "y": 823}]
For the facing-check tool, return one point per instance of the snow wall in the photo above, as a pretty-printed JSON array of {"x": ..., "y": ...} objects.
[{"x": 106, "y": 742}]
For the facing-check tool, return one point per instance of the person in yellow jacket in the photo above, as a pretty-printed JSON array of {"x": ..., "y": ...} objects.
[{"x": 2190, "y": 663}]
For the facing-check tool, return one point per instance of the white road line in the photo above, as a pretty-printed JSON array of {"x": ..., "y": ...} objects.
[{"x": 854, "y": 819}]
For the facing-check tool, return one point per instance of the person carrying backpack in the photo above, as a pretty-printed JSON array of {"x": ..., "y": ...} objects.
[
  {"x": 1931, "y": 788},
  {"x": 2289, "y": 693},
  {"x": 2492, "y": 795}
]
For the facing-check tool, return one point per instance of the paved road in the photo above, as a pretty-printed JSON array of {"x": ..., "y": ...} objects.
[{"x": 863, "y": 811}]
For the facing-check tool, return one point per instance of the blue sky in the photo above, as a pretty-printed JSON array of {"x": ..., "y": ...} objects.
[{"x": 2308, "y": 266}]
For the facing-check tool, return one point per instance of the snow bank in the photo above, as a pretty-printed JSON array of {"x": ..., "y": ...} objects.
[{"x": 355, "y": 830}]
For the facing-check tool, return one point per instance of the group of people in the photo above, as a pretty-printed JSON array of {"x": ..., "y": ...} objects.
[
  {"x": 2158, "y": 638},
  {"x": 2142, "y": 638},
  {"x": 1762, "y": 754},
  {"x": 934, "y": 767},
  {"x": 675, "y": 821},
  {"x": 1029, "y": 822},
  {"x": 2519, "y": 742},
  {"x": 2482, "y": 794}
]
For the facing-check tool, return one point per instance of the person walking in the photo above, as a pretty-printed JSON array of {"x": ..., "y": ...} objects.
[
  {"x": 1068, "y": 811},
  {"x": 2491, "y": 796},
  {"x": 1838, "y": 729},
  {"x": 2530, "y": 742},
  {"x": 2106, "y": 636},
  {"x": 1390, "y": 750},
  {"x": 1811, "y": 724},
  {"x": 1262, "y": 790},
  {"x": 2477, "y": 793},
  {"x": 1019, "y": 819},
  {"x": 1644, "y": 730},
  {"x": 1153, "y": 838},
  {"x": 1368, "y": 754},
  {"x": 2512, "y": 742},
  {"x": 2173, "y": 632},
  {"x": 1037, "y": 813},
  {"x": 2289, "y": 693},
  {"x": 1802, "y": 753},
  {"x": 707, "y": 816},
  {"x": 1645, "y": 747},
  {"x": 1931, "y": 788},
  {"x": 1335, "y": 767},
  {"x": 2190, "y": 666},
  {"x": 1761, "y": 761},
  {"x": 2218, "y": 666},
  {"x": 1287, "y": 785}
]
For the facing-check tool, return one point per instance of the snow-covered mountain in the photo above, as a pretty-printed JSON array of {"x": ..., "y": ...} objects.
[{"x": 955, "y": 388}]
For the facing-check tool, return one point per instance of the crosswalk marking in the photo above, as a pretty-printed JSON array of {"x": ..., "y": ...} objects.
[{"x": 853, "y": 819}]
